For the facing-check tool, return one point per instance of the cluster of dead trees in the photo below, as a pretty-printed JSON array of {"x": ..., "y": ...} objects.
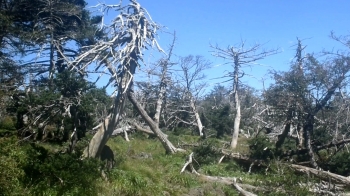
[{"x": 307, "y": 104}]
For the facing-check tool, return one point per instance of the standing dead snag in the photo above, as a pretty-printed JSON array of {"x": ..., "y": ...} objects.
[
  {"x": 118, "y": 56},
  {"x": 192, "y": 74},
  {"x": 166, "y": 64},
  {"x": 237, "y": 57}
]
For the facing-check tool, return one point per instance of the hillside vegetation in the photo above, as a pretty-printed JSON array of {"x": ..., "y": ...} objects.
[{"x": 168, "y": 133}]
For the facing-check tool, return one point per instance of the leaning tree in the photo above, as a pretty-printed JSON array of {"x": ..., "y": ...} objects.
[{"x": 118, "y": 55}]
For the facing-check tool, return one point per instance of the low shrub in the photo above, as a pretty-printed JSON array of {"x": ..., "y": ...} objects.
[
  {"x": 59, "y": 174},
  {"x": 30, "y": 169},
  {"x": 11, "y": 173},
  {"x": 206, "y": 153},
  {"x": 261, "y": 148}
]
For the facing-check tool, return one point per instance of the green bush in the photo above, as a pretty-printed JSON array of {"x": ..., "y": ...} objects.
[
  {"x": 339, "y": 164},
  {"x": 11, "y": 173},
  {"x": 7, "y": 126},
  {"x": 281, "y": 180},
  {"x": 30, "y": 169},
  {"x": 261, "y": 148},
  {"x": 206, "y": 154},
  {"x": 60, "y": 174}
]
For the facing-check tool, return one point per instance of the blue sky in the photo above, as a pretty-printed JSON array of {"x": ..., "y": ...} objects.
[{"x": 274, "y": 23}]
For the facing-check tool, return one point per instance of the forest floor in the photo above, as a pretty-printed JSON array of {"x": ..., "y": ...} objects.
[{"x": 142, "y": 168}]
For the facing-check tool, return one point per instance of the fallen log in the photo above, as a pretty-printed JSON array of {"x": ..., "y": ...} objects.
[
  {"x": 224, "y": 180},
  {"x": 140, "y": 128},
  {"x": 324, "y": 175}
]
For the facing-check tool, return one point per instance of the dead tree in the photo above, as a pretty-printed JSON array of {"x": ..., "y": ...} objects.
[
  {"x": 164, "y": 81},
  {"x": 306, "y": 90},
  {"x": 118, "y": 56},
  {"x": 169, "y": 147},
  {"x": 191, "y": 78},
  {"x": 295, "y": 107},
  {"x": 239, "y": 56}
]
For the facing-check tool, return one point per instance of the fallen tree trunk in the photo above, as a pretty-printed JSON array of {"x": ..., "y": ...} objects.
[
  {"x": 324, "y": 175},
  {"x": 140, "y": 128},
  {"x": 224, "y": 180},
  {"x": 169, "y": 147},
  {"x": 121, "y": 130}
]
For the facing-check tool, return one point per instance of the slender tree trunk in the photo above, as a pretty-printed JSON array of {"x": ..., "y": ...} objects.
[
  {"x": 163, "y": 83},
  {"x": 102, "y": 135},
  {"x": 286, "y": 130},
  {"x": 160, "y": 100},
  {"x": 169, "y": 147},
  {"x": 301, "y": 139},
  {"x": 52, "y": 47},
  {"x": 105, "y": 131},
  {"x": 308, "y": 132},
  {"x": 237, "y": 103},
  {"x": 196, "y": 114},
  {"x": 236, "y": 126}
]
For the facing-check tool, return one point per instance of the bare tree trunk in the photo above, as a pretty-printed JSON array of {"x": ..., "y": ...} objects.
[
  {"x": 236, "y": 103},
  {"x": 110, "y": 122},
  {"x": 196, "y": 114},
  {"x": 119, "y": 56},
  {"x": 192, "y": 69},
  {"x": 300, "y": 131},
  {"x": 160, "y": 100},
  {"x": 169, "y": 147},
  {"x": 239, "y": 56},
  {"x": 286, "y": 130},
  {"x": 236, "y": 126},
  {"x": 308, "y": 131},
  {"x": 105, "y": 131},
  {"x": 163, "y": 82}
]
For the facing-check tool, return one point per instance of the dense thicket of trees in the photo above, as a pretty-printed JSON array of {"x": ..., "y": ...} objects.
[{"x": 47, "y": 48}]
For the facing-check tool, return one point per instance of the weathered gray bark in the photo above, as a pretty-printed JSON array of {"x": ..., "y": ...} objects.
[
  {"x": 308, "y": 131},
  {"x": 224, "y": 180},
  {"x": 285, "y": 131},
  {"x": 196, "y": 114},
  {"x": 236, "y": 103},
  {"x": 131, "y": 32},
  {"x": 109, "y": 124},
  {"x": 160, "y": 101},
  {"x": 163, "y": 83},
  {"x": 239, "y": 56},
  {"x": 325, "y": 175},
  {"x": 169, "y": 147},
  {"x": 300, "y": 132},
  {"x": 309, "y": 125}
]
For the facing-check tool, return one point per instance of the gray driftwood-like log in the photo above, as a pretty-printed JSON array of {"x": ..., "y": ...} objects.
[
  {"x": 223, "y": 180},
  {"x": 324, "y": 175},
  {"x": 169, "y": 147}
]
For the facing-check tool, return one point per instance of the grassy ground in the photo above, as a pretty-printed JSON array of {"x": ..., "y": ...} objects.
[{"x": 142, "y": 168}]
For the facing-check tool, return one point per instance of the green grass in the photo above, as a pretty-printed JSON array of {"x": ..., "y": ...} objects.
[{"x": 142, "y": 168}]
